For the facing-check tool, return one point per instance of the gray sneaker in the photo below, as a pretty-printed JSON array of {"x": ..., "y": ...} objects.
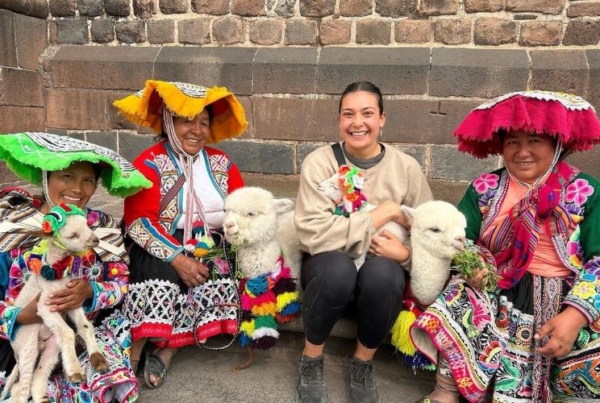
[
  {"x": 311, "y": 386},
  {"x": 362, "y": 382}
]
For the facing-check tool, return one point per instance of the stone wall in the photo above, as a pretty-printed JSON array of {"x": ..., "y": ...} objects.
[
  {"x": 499, "y": 23},
  {"x": 290, "y": 93}
]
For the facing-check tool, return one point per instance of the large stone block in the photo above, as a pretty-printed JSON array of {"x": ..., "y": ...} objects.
[
  {"x": 22, "y": 87},
  {"x": 373, "y": 31},
  {"x": 356, "y": 8},
  {"x": 62, "y": 8},
  {"x": 174, "y": 6},
  {"x": 230, "y": 67},
  {"x": 488, "y": 6},
  {"x": 424, "y": 121},
  {"x": 248, "y": 110},
  {"x": 317, "y": 8},
  {"x": 541, "y": 33},
  {"x": 228, "y": 30},
  {"x": 300, "y": 32},
  {"x": 266, "y": 32},
  {"x": 212, "y": 7},
  {"x": 582, "y": 33},
  {"x": 494, "y": 31},
  {"x": 413, "y": 31},
  {"x": 117, "y": 8},
  {"x": 418, "y": 152},
  {"x": 81, "y": 109},
  {"x": 538, "y": 6},
  {"x": 31, "y": 34},
  {"x": 583, "y": 9},
  {"x": 285, "y": 70},
  {"x": 587, "y": 161},
  {"x": 452, "y": 31},
  {"x": 131, "y": 145},
  {"x": 593, "y": 58},
  {"x": 6, "y": 175},
  {"x": 194, "y": 31},
  {"x": 295, "y": 119},
  {"x": 103, "y": 30},
  {"x": 31, "y": 8},
  {"x": 478, "y": 72},
  {"x": 131, "y": 31},
  {"x": 395, "y": 70},
  {"x": 248, "y": 8},
  {"x": 267, "y": 158},
  {"x": 395, "y": 8},
  {"x": 285, "y": 8},
  {"x": 8, "y": 48},
  {"x": 279, "y": 185},
  {"x": 448, "y": 163},
  {"x": 302, "y": 151},
  {"x": 125, "y": 68},
  {"x": 104, "y": 139},
  {"x": 559, "y": 70},
  {"x": 335, "y": 32},
  {"x": 117, "y": 121},
  {"x": 161, "y": 31},
  {"x": 144, "y": 9},
  {"x": 90, "y": 8},
  {"x": 438, "y": 7},
  {"x": 450, "y": 191},
  {"x": 15, "y": 119},
  {"x": 69, "y": 32}
]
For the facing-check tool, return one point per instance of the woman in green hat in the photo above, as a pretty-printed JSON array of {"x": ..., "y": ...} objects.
[{"x": 69, "y": 171}]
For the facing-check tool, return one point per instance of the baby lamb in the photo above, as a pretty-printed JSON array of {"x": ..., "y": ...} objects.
[
  {"x": 65, "y": 234},
  {"x": 437, "y": 235},
  {"x": 267, "y": 245}
]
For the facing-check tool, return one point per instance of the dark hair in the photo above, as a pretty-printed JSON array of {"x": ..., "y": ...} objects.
[
  {"x": 163, "y": 134},
  {"x": 97, "y": 170},
  {"x": 363, "y": 86}
]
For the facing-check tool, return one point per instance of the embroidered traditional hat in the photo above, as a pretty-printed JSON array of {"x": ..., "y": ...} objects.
[
  {"x": 28, "y": 154},
  {"x": 569, "y": 118},
  {"x": 185, "y": 100}
]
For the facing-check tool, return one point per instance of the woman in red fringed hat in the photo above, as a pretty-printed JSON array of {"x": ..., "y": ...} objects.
[{"x": 537, "y": 221}]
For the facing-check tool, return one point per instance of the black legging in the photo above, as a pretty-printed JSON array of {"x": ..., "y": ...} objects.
[{"x": 330, "y": 280}]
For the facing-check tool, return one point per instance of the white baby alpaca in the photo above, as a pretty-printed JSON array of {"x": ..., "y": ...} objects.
[
  {"x": 54, "y": 334},
  {"x": 262, "y": 227},
  {"x": 437, "y": 235}
]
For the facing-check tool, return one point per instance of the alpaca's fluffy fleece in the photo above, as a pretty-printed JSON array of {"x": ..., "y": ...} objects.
[
  {"x": 437, "y": 235},
  {"x": 54, "y": 335},
  {"x": 262, "y": 227}
]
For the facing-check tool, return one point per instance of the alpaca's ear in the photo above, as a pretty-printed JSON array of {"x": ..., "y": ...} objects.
[
  {"x": 409, "y": 213},
  {"x": 281, "y": 206}
]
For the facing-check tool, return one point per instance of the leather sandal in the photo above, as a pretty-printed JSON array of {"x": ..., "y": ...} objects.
[{"x": 157, "y": 367}]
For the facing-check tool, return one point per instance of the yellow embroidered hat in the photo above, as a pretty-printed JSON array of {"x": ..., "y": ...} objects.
[{"x": 185, "y": 100}]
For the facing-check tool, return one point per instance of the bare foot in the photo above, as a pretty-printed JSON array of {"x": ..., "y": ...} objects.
[
  {"x": 165, "y": 354},
  {"x": 443, "y": 397}
]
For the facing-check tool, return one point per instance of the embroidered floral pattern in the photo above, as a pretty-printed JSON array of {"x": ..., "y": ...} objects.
[
  {"x": 485, "y": 182},
  {"x": 578, "y": 191}
]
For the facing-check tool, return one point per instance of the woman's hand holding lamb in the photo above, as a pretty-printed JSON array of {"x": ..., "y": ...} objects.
[
  {"x": 190, "y": 271},
  {"x": 77, "y": 291},
  {"x": 388, "y": 245},
  {"x": 28, "y": 314},
  {"x": 562, "y": 331},
  {"x": 388, "y": 211}
]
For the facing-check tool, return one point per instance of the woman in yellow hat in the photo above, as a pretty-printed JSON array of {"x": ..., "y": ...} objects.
[{"x": 180, "y": 283}]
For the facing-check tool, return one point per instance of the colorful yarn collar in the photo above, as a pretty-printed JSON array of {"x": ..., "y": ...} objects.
[
  {"x": 36, "y": 262},
  {"x": 351, "y": 182},
  {"x": 267, "y": 300}
]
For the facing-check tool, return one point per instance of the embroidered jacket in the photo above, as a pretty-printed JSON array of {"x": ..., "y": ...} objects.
[
  {"x": 108, "y": 280},
  {"x": 150, "y": 223},
  {"x": 578, "y": 249}
]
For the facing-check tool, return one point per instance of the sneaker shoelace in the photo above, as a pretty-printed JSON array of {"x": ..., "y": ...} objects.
[
  {"x": 312, "y": 371},
  {"x": 363, "y": 374}
]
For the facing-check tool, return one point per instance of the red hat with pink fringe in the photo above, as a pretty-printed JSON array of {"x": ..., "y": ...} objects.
[{"x": 569, "y": 118}]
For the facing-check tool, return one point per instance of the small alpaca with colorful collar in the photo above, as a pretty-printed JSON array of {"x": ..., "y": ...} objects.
[
  {"x": 253, "y": 222},
  {"x": 66, "y": 235}
]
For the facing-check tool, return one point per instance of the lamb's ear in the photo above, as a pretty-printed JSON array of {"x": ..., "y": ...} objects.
[
  {"x": 283, "y": 205},
  {"x": 409, "y": 213},
  {"x": 39, "y": 234}
]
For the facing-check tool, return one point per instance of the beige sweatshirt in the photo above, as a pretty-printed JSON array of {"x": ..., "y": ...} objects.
[{"x": 397, "y": 177}]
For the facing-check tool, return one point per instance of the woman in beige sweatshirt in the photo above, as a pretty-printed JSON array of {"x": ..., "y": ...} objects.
[{"x": 332, "y": 235}]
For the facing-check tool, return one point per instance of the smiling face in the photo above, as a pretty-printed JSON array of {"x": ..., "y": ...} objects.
[
  {"x": 527, "y": 156},
  {"x": 360, "y": 123},
  {"x": 74, "y": 185},
  {"x": 193, "y": 133}
]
